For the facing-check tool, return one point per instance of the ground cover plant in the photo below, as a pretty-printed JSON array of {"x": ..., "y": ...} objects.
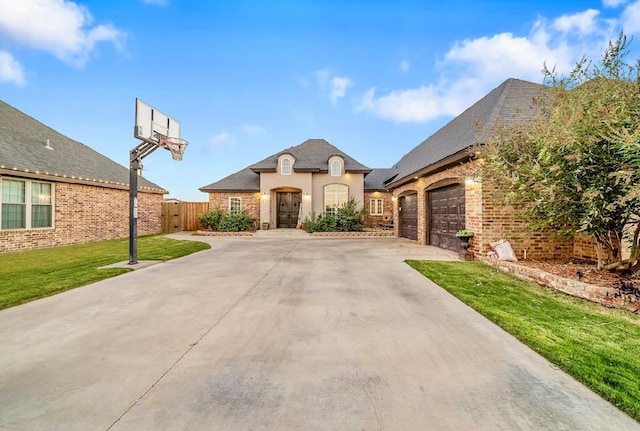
[
  {"x": 599, "y": 347},
  {"x": 33, "y": 274}
]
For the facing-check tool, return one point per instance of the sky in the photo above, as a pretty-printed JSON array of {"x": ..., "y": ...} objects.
[{"x": 248, "y": 79}]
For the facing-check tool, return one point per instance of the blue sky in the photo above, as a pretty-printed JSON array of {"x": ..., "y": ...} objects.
[{"x": 247, "y": 79}]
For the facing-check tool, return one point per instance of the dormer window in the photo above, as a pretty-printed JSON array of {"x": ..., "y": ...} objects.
[
  {"x": 336, "y": 168},
  {"x": 285, "y": 166}
]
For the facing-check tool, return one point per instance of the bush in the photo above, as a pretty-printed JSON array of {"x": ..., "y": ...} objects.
[
  {"x": 348, "y": 218},
  {"x": 235, "y": 222},
  {"x": 211, "y": 219}
]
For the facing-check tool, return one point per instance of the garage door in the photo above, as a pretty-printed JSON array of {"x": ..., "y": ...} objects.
[
  {"x": 409, "y": 216},
  {"x": 446, "y": 216}
]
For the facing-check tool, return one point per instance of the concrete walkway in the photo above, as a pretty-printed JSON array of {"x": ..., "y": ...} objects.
[{"x": 279, "y": 333}]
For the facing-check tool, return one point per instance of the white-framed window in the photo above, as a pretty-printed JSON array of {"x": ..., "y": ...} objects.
[
  {"x": 26, "y": 204},
  {"x": 375, "y": 206},
  {"x": 336, "y": 168},
  {"x": 285, "y": 166},
  {"x": 335, "y": 195},
  {"x": 235, "y": 204}
]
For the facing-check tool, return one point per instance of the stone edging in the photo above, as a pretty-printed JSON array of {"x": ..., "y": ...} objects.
[
  {"x": 610, "y": 297},
  {"x": 215, "y": 233},
  {"x": 353, "y": 234}
]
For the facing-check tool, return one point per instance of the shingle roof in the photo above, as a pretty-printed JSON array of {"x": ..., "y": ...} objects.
[
  {"x": 311, "y": 156},
  {"x": 23, "y": 150},
  {"x": 508, "y": 103},
  {"x": 244, "y": 180},
  {"x": 374, "y": 181}
]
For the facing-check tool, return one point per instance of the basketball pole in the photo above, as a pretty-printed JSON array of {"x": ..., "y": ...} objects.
[{"x": 135, "y": 164}]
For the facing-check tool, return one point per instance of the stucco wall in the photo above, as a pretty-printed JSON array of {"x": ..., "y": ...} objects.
[{"x": 84, "y": 213}]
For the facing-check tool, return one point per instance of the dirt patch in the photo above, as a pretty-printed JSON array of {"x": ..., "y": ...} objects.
[{"x": 584, "y": 271}]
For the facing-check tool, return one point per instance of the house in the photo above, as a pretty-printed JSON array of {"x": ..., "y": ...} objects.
[
  {"x": 437, "y": 191},
  {"x": 300, "y": 182},
  {"x": 57, "y": 191}
]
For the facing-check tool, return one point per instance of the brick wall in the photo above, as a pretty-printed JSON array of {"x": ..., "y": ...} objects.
[
  {"x": 502, "y": 222},
  {"x": 86, "y": 213},
  {"x": 372, "y": 221},
  {"x": 250, "y": 202},
  {"x": 485, "y": 215}
]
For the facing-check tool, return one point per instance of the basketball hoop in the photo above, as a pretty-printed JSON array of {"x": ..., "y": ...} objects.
[{"x": 175, "y": 145}]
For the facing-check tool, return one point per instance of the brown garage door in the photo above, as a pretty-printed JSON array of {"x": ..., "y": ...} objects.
[
  {"x": 409, "y": 216},
  {"x": 446, "y": 210}
]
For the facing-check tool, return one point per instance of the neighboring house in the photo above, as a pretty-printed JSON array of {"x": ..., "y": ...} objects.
[
  {"x": 57, "y": 191},
  {"x": 296, "y": 183},
  {"x": 437, "y": 192}
]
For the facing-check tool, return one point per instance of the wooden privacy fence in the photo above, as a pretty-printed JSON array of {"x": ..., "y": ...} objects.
[{"x": 180, "y": 216}]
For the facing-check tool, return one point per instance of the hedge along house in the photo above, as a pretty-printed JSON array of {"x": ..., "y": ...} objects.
[
  {"x": 296, "y": 183},
  {"x": 57, "y": 191},
  {"x": 437, "y": 193}
]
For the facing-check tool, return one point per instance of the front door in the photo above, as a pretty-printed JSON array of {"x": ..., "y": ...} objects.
[{"x": 288, "y": 209}]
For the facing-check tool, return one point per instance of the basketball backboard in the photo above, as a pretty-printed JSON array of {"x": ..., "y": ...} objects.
[{"x": 152, "y": 125}]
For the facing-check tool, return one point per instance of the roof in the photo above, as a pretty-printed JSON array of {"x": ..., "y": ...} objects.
[
  {"x": 374, "y": 180},
  {"x": 24, "y": 152},
  {"x": 311, "y": 156},
  {"x": 510, "y": 102},
  {"x": 242, "y": 181}
]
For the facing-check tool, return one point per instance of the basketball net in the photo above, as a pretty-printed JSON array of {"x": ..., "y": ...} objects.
[{"x": 175, "y": 145}]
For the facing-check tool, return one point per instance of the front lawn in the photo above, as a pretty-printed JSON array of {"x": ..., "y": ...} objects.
[
  {"x": 599, "y": 347},
  {"x": 33, "y": 274}
]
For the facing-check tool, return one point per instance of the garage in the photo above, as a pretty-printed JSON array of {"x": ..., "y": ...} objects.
[
  {"x": 446, "y": 216},
  {"x": 409, "y": 216}
]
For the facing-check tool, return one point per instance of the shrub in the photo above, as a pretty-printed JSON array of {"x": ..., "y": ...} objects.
[
  {"x": 235, "y": 222},
  {"x": 211, "y": 219},
  {"x": 348, "y": 218}
]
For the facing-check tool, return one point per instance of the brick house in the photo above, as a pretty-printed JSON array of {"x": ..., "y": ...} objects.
[
  {"x": 300, "y": 182},
  {"x": 437, "y": 193},
  {"x": 57, "y": 191}
]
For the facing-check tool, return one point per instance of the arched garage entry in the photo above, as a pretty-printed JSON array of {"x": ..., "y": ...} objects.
[
  {"x": 446, "y": 216},
  {"x": 408, "y": 209}
]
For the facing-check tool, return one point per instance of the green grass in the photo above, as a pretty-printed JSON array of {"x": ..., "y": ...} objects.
[
  {"x": 29, "y": 275},
  {"x": 599, "y": 347}
]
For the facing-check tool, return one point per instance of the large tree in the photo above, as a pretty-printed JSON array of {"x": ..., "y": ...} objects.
[{"x": 575, "y": 167}]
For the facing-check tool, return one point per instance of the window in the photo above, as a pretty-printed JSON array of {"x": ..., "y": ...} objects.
[
  {"x": 235, "y": 205},
  {"x": 335, "y": 195},
  {"x": 375, "y": 207},
  {"x": 336, "y": 168},
  {"x": 26, "y": 204},
  {"x": 285, "y": 166}
]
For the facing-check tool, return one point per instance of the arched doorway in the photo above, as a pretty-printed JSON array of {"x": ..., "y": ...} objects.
[{"x": 408, "y": 209}]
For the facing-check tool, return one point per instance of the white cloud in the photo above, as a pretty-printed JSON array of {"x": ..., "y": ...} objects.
[
  {"x": 60, "y": 27},
  {"x": 339, "y": 87},
  {"x": 405, "y": 65},
  {"x": 613, "y": 3},
  {"x": 252, "y": 130},
  {"x": 10, "y": 69},
  {"x": 473, "y": 67},
  {"x": 335, "y": 85},
  {"x": 582, "y": 22},
  {"x": 159, "y": 3},
  {"x": 630, "y": 19}
]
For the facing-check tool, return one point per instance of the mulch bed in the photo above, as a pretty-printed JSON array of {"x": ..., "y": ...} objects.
[{"x": 583, "y": 270}]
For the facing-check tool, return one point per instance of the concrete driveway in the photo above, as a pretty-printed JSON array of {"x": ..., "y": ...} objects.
[{"x": 279, "y": 333}]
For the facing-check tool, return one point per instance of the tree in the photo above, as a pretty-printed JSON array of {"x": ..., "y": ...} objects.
[{"x": 575, "y": 167}]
